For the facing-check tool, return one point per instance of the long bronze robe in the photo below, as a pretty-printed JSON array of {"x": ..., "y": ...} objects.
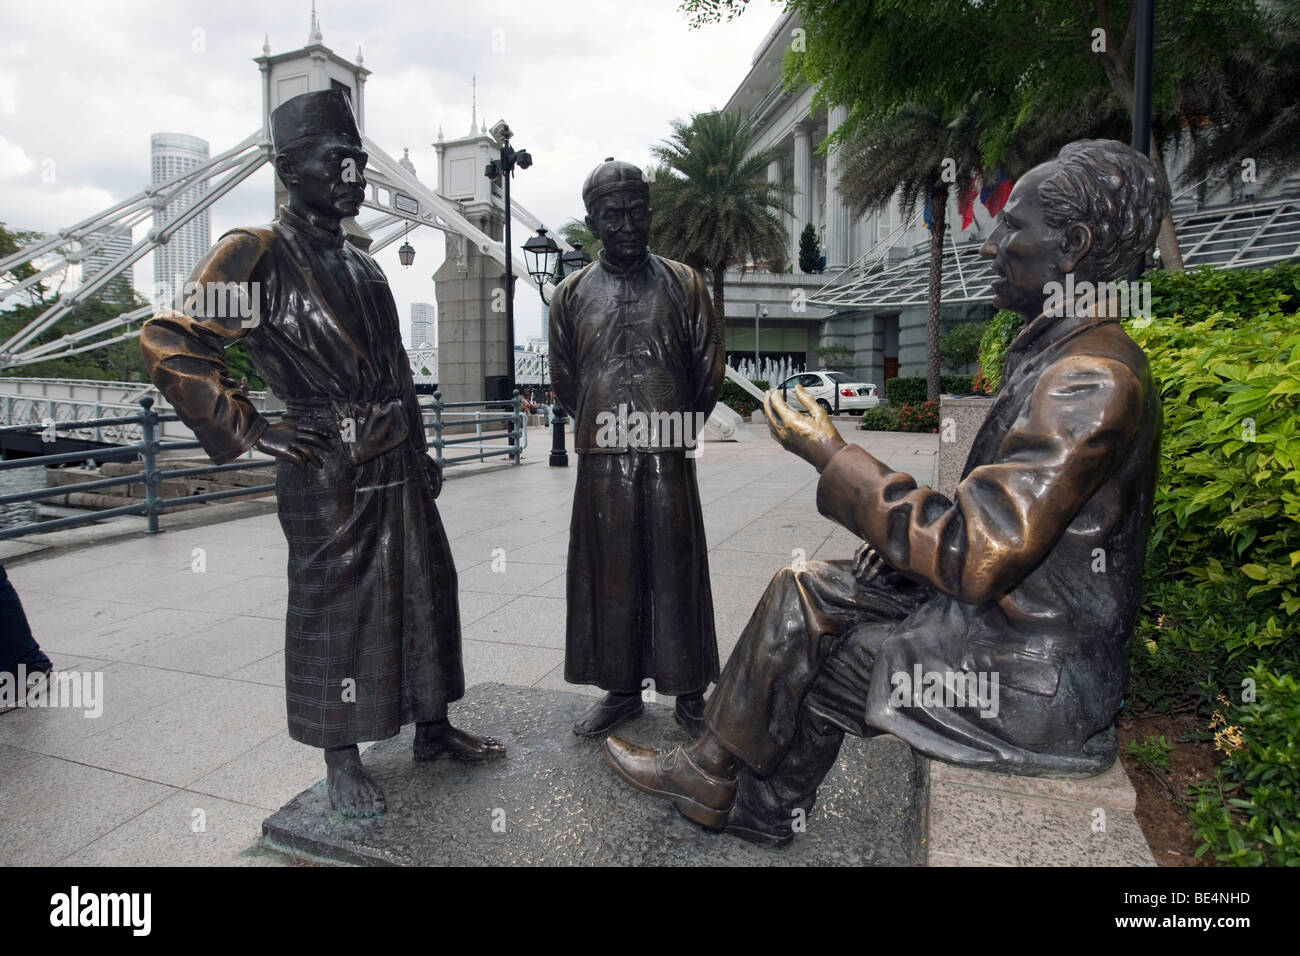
[
  {"x": 641, "y": 340},
  {"x": 372, "y": 635}
]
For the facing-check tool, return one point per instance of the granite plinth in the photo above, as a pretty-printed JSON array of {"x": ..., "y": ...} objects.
[
  {"x": 552, "y": 801},
  {"x": 960, "y": 419}
]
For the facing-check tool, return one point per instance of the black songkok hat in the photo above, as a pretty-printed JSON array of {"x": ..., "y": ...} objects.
[
  {"x": 313, "y": 114},
  {"x": 611, "y": 175}
]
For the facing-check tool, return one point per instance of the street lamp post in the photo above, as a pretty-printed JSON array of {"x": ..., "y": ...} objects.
[
  {"x": 505, "y": 168},
  {"x": 545, "y": 264},
  {"x": 760, "y": 310}
]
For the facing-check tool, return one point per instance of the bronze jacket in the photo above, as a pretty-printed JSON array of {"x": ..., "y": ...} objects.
[
  {"x": 642, "y": 339},
  {"x": 1037, "y": 560}
]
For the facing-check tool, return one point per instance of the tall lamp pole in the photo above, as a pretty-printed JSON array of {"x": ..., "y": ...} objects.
[
  {"x": 759, "y": 310},
  {"x": 1143, "y": 54},
  {"x": 545, "y": 264},
  {"x": 505, "y": 167}
]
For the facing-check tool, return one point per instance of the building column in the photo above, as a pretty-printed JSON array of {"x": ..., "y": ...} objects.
[
  {"x": 803, "y": 187},
  {"x": 837, "y": 216},
  {"x": 775, "y": 176}
]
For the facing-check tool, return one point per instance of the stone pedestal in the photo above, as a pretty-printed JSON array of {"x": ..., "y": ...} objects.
[
  {"x": 960, "y": 418},
  {"x": 553, "y": 801}
]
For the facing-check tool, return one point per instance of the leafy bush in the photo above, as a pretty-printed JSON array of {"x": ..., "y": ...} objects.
[
  {"x": 923, "y": 417},
  {"x": 739, "y": 400},
  {"x": 1222, "y": 601},
  {"x": 911, "y": 390},
  {"x": 999, "y": 332},
  {"x": 960, "y": 345},
  {"x": 1250, "y": 813}
]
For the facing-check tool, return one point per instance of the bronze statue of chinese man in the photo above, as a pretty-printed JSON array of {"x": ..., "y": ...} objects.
[
  {"x": 636, "y": 357},
  {"x": 372, "y": 636},
  {"x": 983, "y": 630}
]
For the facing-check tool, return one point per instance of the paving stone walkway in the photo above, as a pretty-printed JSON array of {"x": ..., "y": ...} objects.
[{"x": 190, "y": 753}]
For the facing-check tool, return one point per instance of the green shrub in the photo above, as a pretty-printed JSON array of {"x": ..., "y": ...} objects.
[
  {"x": 908, "y": 390},
  {"x": 923, "y": 417},
  {"x": 739, "y": 400},
  {"x": 956, "y": 384},
  {"x": 960, "y": 345},
  {"x": 1249, "y": 814},
  {"x": 999, "y": 332},
  {"x": 1222, "y": 601},
  {"x": 911, "y": 390},
  {"x": 882, "y": 418}
]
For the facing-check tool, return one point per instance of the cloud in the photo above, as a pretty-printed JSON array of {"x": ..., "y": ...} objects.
[{"x": 577, "y": 82}]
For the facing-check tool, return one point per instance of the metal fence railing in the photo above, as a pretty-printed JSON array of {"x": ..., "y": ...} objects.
[
  {"x": 514, "y": 439},
  {"x": 510, "y": 442}
]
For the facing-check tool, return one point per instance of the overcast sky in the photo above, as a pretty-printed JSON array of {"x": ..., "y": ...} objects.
[{"x": 84, "y": 84}]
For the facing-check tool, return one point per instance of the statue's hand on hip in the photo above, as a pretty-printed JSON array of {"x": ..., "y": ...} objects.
[
  {"x": 812, "y": 437},
  {"x": 297, "y": 444}
]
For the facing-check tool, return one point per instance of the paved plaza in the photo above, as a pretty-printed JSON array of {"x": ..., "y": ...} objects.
[{"x": 190, "y": 752}]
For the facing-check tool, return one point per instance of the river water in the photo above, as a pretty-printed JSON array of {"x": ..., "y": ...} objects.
[{"x": 12, "y": 482}]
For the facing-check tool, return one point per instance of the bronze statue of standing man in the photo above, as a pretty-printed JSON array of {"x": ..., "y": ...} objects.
[
  {"x": 372, "y": 636},
  {"x": 636, "y": 357}
]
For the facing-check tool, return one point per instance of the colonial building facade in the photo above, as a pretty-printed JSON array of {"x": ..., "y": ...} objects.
[{"x": 871, "y": 294}]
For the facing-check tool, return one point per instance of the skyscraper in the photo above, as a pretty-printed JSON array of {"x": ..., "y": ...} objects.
[
  {"x": 113, "y": 241},
  {"x": 422, "y": 324},
  {"x": 172, "y": 154}
]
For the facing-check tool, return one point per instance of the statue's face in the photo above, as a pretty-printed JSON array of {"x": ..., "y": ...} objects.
[
  {"x": 1027, "y": 253},
  {"x": 327, "y": 176},
  {"x": 621, "y": 220}
]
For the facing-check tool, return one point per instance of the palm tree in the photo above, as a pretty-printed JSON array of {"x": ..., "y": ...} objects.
[
  {"x": 713, "y": 206},
  {"x": 918, "y": 154}
]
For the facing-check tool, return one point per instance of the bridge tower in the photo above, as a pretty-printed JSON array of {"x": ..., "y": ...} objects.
[
  {"x": 313, "y": 68},
  {"x": 472, "y": 347}
]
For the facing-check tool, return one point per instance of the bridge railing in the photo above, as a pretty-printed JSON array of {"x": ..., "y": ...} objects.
[
  {"x": 511, "y": 436},
  {"x": 151, "y": 445}
]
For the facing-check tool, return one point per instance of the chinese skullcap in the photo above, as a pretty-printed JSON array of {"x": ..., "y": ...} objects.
[
  {"x": 313, "y": 114},
  {"x": 611, "y": 175}
]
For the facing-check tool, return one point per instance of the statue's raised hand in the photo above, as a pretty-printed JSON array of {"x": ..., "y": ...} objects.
[
  {"x": 297, "y": 444},
  {"x": 812, "y": 437}
]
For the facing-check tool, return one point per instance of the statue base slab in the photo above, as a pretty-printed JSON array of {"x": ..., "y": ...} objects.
[{"x": 553, "y": 802}]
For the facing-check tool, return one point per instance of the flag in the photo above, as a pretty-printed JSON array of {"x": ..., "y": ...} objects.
[
  {"x": 994, "y": 194},
  {"x": 966, "y": 206}
]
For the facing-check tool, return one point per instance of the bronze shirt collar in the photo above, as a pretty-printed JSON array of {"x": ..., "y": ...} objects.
[{"x": 310, "y": 231}]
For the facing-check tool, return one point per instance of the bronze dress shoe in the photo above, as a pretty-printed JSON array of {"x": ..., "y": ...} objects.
[
  {"x": 698, "y": 795},
  {"x": 607, "y": 713},
  {"x": 689, "y": 714}
]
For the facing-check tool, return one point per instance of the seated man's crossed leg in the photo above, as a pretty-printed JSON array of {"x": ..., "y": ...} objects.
[{"x": 795, "y": 683}]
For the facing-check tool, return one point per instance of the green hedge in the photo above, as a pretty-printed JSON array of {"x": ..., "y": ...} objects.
[
  {"x": 1222, "y": 602},
  {"x": 911, "y": 390},
  {"x": 922, "y": 417},
  {"x": 739, "y": 400}
]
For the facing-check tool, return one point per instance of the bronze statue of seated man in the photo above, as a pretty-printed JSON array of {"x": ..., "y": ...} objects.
[{"x": 990, "y": 630}]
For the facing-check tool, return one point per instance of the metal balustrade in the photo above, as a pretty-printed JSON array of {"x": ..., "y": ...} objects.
[{"x": 146, "y": 425}]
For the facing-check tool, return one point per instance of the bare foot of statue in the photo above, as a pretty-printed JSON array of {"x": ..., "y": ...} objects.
[
  {"x": 438, "y": 738},
  {"x": 352, "y": 792}
]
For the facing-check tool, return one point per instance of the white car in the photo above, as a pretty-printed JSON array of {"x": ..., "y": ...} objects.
[{"x": 854, "y": 397}]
